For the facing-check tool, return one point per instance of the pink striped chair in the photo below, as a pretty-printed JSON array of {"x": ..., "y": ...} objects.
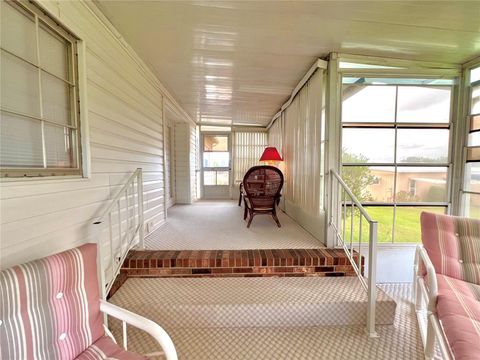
[
  {"x": 448, "y": 275},
  {"x": 51, "y": 309}
]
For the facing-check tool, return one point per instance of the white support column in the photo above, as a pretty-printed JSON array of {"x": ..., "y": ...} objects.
[{"x": 332, "y": 139}]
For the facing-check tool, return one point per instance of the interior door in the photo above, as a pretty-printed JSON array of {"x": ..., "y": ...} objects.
[{"x": 216, "y": 159}]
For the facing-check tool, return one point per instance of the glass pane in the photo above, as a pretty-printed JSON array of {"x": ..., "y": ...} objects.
[
  {"x": 421, "y": 184},
  {"x": 474, "y": 139},
  {"x": 368, "y": 104},
  {"x": 372, "y": 183},
  {"x": 59, "y": 147},
  {"x": 215, "y": 143},
  {"x": 18, "y": 32},
  {"x": 56, "y": 100},
  {"x": 19, "y": 85},
  {"x": 475, "y": 74},
  {"x": 209, "y": 178},
  {"x": 422, "y": 145},
  {"x": 472, "y": 206},
  {"x": 20, "y": 142},
  {"x": 223, "y": 177},
  {"x": 423, "y": 104},
  {"x": 472, "y": 177},
  {"x": 53, "y": 53},
  {"x": 368, "y": 145},
  {"x": 475, "y": 109},
  {"x": 384, "y": 216},
  {"x": 216, "y": 159},
  {"x": 407, "y": 223}
]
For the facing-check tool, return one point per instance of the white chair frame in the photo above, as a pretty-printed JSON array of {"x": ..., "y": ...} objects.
[
  {"x": 426, "y": 292},
  {"x": 142, "y": 323}
]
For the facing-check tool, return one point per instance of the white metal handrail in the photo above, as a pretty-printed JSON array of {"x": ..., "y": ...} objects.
[
  {"x": 341, "y": 198},
  {"x": 125, "y": 213}
]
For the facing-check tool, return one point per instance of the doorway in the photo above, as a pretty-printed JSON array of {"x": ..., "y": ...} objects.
[{"x": 216, "y": 169}]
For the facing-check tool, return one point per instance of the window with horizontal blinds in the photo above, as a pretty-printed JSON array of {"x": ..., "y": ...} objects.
[
  {"x": 471, "y": 188},
  {"x": 247, "y": 150},
  {"x": 39, "y": 125}
]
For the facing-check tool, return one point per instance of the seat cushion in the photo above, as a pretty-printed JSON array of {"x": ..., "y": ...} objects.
[
  {"x": 50, "y": 307},
  {"x": 458, "y": 309},
  {"x": 453, "y": 245},
  {"x": 106, "y": 348}
]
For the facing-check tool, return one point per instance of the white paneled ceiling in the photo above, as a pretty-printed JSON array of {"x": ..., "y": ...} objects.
[{"x": 238, "y": 61}]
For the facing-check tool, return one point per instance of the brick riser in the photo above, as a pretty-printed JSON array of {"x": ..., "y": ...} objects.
[{"x": 235, "y": 263}]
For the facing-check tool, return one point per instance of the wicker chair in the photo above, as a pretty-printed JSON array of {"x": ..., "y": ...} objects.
[{"x": 261, "y": 188}]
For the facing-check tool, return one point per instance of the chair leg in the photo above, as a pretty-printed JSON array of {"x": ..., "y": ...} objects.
[
  {"x": 245, "y": 211},
  {"x": 274, "y": 215},
  {"x": 240, "y": 200},
  {"x": 250, "y": 218}
]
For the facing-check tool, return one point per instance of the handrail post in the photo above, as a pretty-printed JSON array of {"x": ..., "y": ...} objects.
[
  {"x": 372, "y": 279},
  {"x": 140, "y": 208}
]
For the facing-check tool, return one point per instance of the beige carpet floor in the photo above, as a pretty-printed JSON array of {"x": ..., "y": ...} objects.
[
  {"x": 200, "y": 342},
  {"x": 219, "y": 225}
]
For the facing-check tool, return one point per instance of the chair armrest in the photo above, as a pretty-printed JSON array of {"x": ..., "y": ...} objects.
[
  {"x": 421, "y": 257},
  {"x": 140, "y": 322}
]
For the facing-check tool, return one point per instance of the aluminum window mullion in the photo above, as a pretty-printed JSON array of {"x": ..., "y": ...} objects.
[
  {"x": 40, "y": 94},
  {"x": 395, "y": 172}
]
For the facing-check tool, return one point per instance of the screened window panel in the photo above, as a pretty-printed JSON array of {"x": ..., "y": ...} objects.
[
  {"x": 370, "y": 183},
  {"x": 423, "y": 104},
  {"x": 56, "y": 100},
  {"x": 475, "y": 106},
  {"x": 475, "y": 74},
  {"x": 421, "y": 184},
  {"x": 368, "y": 103},
  {"x": 384, "y": 216},
  {"x": 422, "y": 145},
  {"x": 21, "y": 142},
  {"x": 474, "y": 139},
  {"x": 368, "y": 145},
  {"x": 19, "y": 85},
  {"x": 407, "y": 222},
  {"x": 54, "y": 53},
  {"x": 215, "y": 143},
  {"x": 472, "y": 177},
  {"x": 471, "y": 205},
  {"x": 209, "y": 178},
  {"x": 59, "y": 147},
  {"x": 18, "y": 32},
  {"x": 216, "y": 159}
]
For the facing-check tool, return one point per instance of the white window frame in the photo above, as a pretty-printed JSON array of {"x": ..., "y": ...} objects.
[
  {"x": 76, "y": 82},
  {"x": 466, "y": 117},
  {"x": 387, "y": 73}
]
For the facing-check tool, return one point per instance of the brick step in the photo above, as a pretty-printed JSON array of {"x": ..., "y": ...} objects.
[
  {"x": 180, "y": 303},
  {"x": 238, "y": 263}
]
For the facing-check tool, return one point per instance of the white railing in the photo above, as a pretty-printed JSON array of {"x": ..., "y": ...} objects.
[
  {"x": 347, "y": 220},
  {"x": 124, "y": 217}
]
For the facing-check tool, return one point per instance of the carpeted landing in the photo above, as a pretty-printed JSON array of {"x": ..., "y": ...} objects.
[{"x": 271, "y": 318}]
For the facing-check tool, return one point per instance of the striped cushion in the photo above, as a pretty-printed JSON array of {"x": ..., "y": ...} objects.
[
  {"x": 50, "y": 307},
  {"x": 453, "y": 245},
  {"x": 105, "y": 348},
  {"x": 458, "y": 309}
]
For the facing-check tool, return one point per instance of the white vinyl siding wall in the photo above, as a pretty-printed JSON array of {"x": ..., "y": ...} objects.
[{"x": 41, "y": 217}]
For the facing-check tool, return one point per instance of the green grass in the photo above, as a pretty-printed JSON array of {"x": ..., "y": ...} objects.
[{"x": 407, "y": 227}]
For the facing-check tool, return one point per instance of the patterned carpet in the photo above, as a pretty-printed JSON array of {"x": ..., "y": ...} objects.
[
  {"x": 211, "y": 335},
  {"x": 215, "y": 225}
]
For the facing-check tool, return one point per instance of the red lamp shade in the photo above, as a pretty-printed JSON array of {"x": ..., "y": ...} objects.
[{"x": 271, "y": 154}]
